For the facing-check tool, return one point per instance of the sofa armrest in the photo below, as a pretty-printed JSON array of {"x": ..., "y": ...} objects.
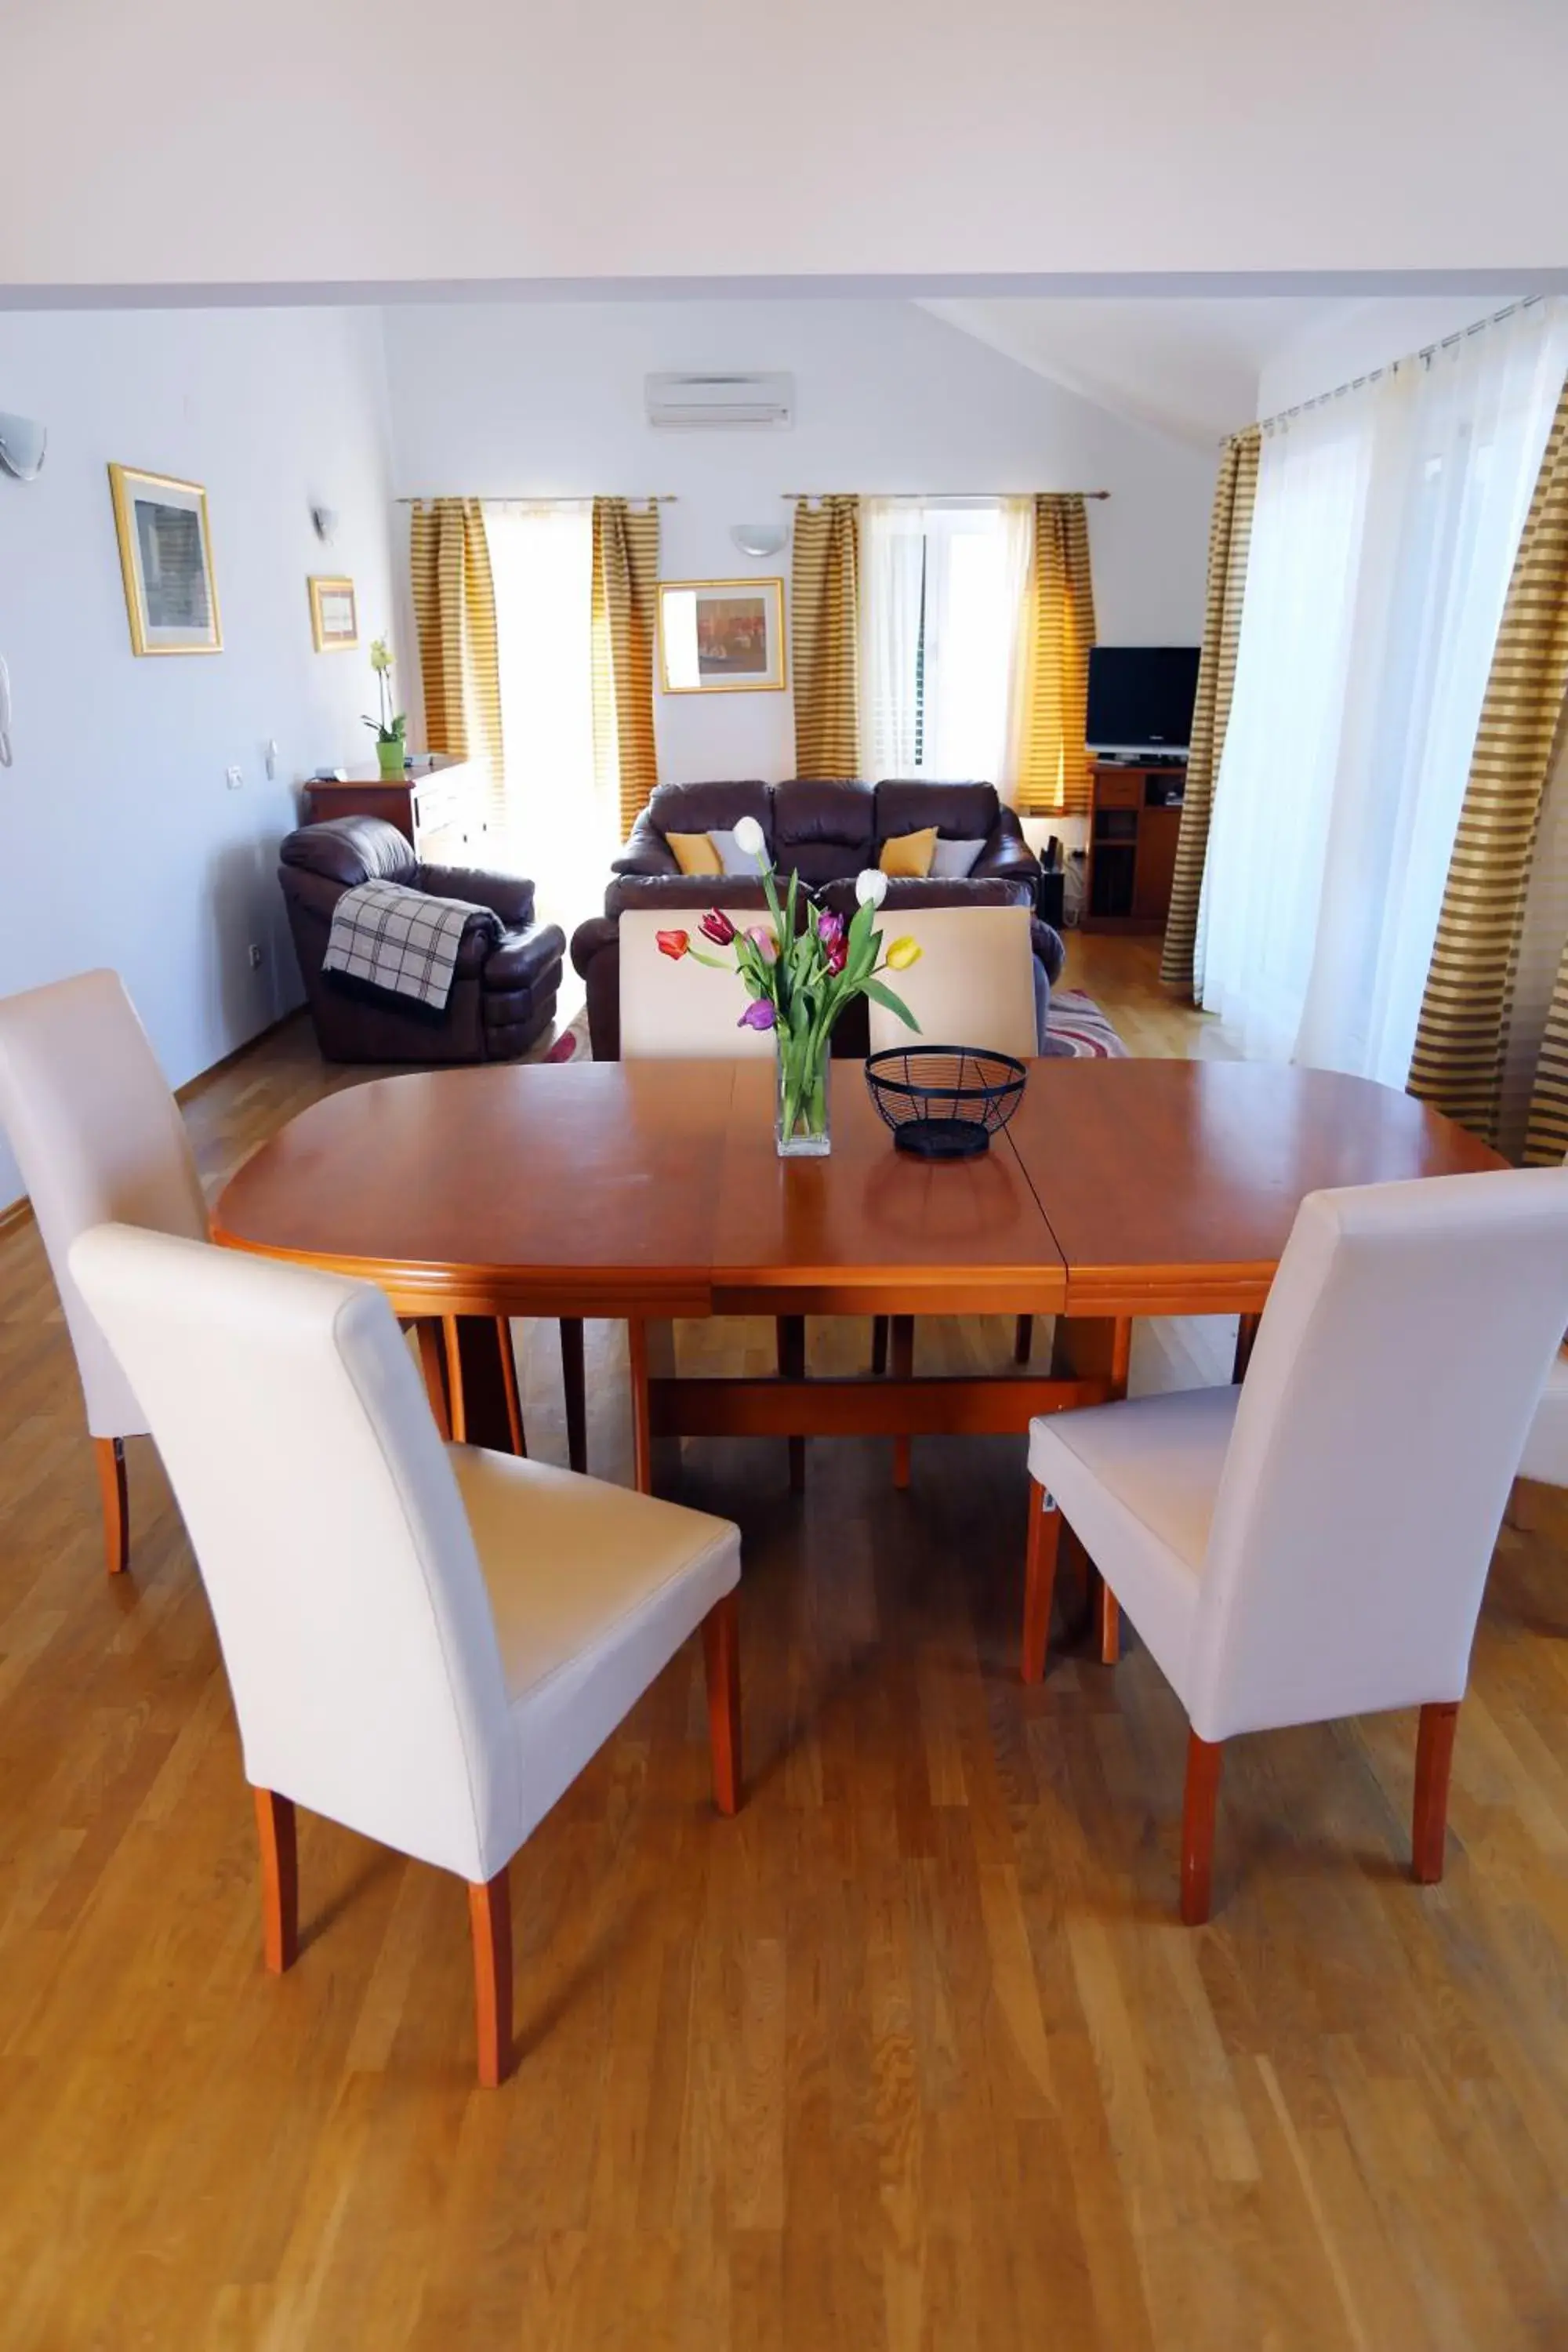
[
  {"x": 1006, "y": 855},
  {"x": 646, "y": 852},
  {"x": 524, "y": 957},
  {"x": 1050, "y": 951},
  {"x": 590, "y": 940},
  {"x": 508, "y": 896}
]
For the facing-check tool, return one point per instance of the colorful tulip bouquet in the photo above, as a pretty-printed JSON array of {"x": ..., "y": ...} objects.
[{"x": 799, "y": 983}]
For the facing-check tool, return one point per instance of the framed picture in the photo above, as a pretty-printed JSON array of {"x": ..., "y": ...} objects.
[
  {"x": 721, "y": 636},
  {"x": 166, "y": 560},
  {"x": 334, "y": 614}
]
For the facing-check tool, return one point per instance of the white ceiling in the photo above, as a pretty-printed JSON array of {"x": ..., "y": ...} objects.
[{"x": 1186, "y": 366}]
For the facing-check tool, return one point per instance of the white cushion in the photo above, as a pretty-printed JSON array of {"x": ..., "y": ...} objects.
[
  {"x": 1137, "y": 1483},
  {"x": 593, "y": 1589},
  {"x": 732, "y": 858},
  {"x": 954, "y": 861},
  {"x": 1545, "y": 1453},
  {"x": 973, "y": 983}
]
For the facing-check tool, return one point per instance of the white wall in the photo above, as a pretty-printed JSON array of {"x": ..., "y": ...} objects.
[
  {"x": 123, "y": 844},
  {"x": 1361, "y": 336},
  {"x": 491, "y": 400},
  {"x": 379, "y": 140}
]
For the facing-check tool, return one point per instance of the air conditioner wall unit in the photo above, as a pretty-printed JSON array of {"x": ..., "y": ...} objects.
[{"x": 716, "y": 402}]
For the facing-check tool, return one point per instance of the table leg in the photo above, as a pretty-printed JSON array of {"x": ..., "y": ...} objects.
[
  {"x": 650, "y": 1346},
  {"x": 1246, "y": 1338},
  {"x": 904, "y": 1360},
  {"x": 482, "y": 1382},
  {"x": 576, "y": 1393},
  {"x": 791, "y": 1331},
  {"x": 1088, "y": 1346},
  {"x": 430, "y": 1334}
]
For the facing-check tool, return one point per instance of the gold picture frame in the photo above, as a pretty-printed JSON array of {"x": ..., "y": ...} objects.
[
  {"x": 166, "y": 563},
  {"x": 334, "y": 630},
  {"x": 723, "y": 636}
]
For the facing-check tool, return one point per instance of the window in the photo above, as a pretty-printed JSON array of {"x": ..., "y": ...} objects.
[
  {"x": 562, "y": 830},
  {"x": 941, "y": 597}
]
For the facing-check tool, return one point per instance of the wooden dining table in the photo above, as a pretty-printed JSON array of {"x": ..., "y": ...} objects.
[{"x": 652, "y": 1191}]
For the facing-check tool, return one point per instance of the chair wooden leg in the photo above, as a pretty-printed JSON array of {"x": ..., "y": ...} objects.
[
  {"x": 280, "y": 1879},
  {"x": 721, "y": 1665},
  {"x": 878, "y": 1344},
  {"x": 431, "y": 1335},
  {"x": 1023, "y": 1339},
  {"x": 510, "y": 1392},
  {"x": 1039, "y": 1579},
  {"x": 1110, "y": 1625},
  {"x": 110, "y": 1456},
  {"x": 490, "y": 1918},
  {"x": 1434, "y": 1758},
  {"x": 903, "y": 1350},
  {"x": 1199, "y": 1807},
  {"x": 790, "y": 1335},
  {"x": 1246, "y": 1339},
  {"x": 576, "y": 1389}
]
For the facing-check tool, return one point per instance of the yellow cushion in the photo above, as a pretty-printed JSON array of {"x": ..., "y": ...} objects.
[
  {"x": 695, "y": 853},
  {"x": 910, "y": 854}
]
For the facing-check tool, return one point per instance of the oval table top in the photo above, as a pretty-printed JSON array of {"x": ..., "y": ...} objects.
[{"x": 1120, "y": 1188}]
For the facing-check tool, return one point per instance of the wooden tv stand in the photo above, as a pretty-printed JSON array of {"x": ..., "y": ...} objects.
[{"x": 1132, "y": 830}]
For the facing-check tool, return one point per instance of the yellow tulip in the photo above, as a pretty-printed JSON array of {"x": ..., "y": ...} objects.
[{"x": 902, "y": 953}]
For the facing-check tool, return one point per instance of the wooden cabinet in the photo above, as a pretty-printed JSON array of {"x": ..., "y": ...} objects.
[
  {"x": 437, "y": 805},
  {"x": 1134, "y": 823}
]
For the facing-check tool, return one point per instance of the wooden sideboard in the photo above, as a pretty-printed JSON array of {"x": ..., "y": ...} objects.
[
  {"x": 1132, "y": 830},
  {"x": 437, "y": 805}
]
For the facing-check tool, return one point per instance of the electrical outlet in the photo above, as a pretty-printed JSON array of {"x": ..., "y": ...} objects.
[
  {"x": 236, "y": 777},
  {"x": 254, "y": 954}
]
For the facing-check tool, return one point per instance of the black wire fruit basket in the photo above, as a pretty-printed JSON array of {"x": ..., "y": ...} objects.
[{"x": 944, "y": 1102}]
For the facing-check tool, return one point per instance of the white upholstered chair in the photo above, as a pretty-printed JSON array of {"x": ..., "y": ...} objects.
[
  {"x": 973, "y": 985},
  {"x": 426, "y": 1643},
  {"x": 675, "y": 1009},
  {"x": 1315, "y": 1543},
  {"x": 99, "y": 1138}
]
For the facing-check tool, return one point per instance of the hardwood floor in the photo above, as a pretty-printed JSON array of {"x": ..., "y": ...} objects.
[{"x": 912, "y": 2053}]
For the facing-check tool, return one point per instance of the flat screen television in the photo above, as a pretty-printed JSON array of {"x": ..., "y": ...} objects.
[{"x": 1141, "y": 697}]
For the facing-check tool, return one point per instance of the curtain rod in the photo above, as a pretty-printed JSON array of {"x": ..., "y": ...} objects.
[
  {"x": 920, "y": 498},
  {"x": 1426, "y": 355},
  {"x": 529, "y": 498}
]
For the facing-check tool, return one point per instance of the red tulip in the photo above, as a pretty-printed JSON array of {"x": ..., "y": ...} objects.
[
  {"x": 716, "y": 926},
  {"x": 830, "y": 931},
  {"x": 674, "y": 944}
]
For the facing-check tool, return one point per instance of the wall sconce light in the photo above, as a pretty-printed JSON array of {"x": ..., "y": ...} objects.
[
  {"x": 23, "y": 441},
  {"x": 758, "y": 539}
]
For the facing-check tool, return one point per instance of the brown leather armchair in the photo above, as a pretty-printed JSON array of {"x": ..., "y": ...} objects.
[
  {"x": 826, "y": 830},
  {"x": 508, "y": 966}
]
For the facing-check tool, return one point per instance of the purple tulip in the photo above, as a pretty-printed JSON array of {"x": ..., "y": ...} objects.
[
  {"x": 758, "y": 1014},
  {"x": 716, "y": 926},
  {"x": 830, "y": 931}
]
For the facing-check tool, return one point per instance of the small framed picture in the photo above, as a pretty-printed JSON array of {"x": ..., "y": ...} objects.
[
  {"x": 721, "y": 636},
  {"x": 334, "y": 614},
  {"x": 166, "y": 561}
]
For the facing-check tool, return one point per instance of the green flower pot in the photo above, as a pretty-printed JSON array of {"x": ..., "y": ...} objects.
[{"x": 392, "y": 758}]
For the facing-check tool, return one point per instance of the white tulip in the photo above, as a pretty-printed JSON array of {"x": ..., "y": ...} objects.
[
  {"x": 870, "y": 886},
  {"x": 749, "y": 836}
]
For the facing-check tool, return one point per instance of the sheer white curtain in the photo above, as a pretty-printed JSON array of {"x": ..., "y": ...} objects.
[
  {"x": 561, "y": 829},
  {"x": 941, "y": 597},
  {"x": 1384, "y": 533}
]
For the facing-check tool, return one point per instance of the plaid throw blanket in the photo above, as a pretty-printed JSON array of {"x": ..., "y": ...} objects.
[{"x": 399, "y": 939}]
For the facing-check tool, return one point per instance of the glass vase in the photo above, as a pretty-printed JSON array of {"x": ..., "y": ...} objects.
[{"x": 800, "y": 1123}]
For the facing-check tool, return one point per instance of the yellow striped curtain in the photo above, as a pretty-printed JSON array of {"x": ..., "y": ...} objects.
[
  {"x": 1461, "y": 1040},
  {"x": 1058, "y": 630},
  {"x": 1230, "y": 535},
  {"x": 455, "y": 615},
  {"x": 624, "y": 618},
  {"x": 824, "y": 622},
  {"x": 1547, "y": 1141}
]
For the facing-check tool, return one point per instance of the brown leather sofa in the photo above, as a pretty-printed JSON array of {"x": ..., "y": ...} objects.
[
  {"x": 825, "y": 831},
  {"x": 508, "y": 966}
]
